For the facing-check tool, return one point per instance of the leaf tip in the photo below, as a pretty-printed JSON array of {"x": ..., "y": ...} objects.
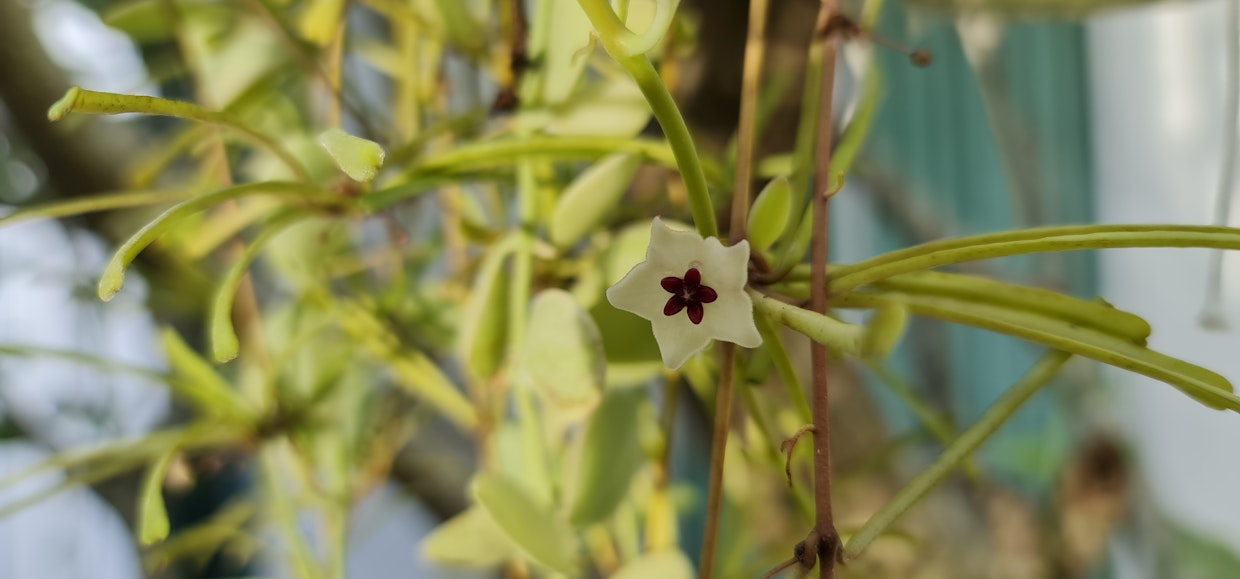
[{"x": 64, "y": 106}]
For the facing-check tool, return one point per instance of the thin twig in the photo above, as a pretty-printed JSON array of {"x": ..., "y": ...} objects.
[
  {"x": 789, "y": 446},
  {"x": 754, "y": 50},
  {"x": 719, "y": 445},
  {"x": 780, "y": 568},
  {"x": 824, "y": 523}
]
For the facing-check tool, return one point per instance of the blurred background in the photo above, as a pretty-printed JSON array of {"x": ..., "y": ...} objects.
[{"x": 1034, "y": 112}]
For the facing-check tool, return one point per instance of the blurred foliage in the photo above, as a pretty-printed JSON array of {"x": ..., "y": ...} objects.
[{"x": 411, "y": 210}]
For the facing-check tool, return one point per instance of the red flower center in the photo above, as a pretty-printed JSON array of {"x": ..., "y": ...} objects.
[{"x": 688, "y": 294}]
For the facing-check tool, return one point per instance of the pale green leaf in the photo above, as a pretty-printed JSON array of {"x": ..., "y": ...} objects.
[
  {"x": 152, "y": 515},
  {"x": 612, "y": 455},
  {"x": 613, "y": 107},
  {"x": 592, "y": 197},
  {"x": 482, "y": 341},
  {"x": 770, "y": 213},
  {"x": 470, "y": 539},
  {"x": 535, "y": 527},
  {"x": 564, "y": 352},
  {"x": 661, "y": 565},
  {"x": 359, "y": 158},
  {"x": 199, "y": 383}
]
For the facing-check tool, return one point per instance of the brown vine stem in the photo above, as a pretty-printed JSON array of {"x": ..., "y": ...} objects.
[
  {"x": 828, "y": 546},
  {"x": 755, "y": 49}
]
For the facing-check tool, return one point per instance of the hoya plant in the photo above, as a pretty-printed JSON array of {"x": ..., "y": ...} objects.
[{"x": 427, "y": 225}]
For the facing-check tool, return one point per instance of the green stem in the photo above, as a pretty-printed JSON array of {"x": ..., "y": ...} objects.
[
  {"x": 968, "y": 442},
  {"x": 612, "y": 33},
  {"x": 774, "y": 344}
]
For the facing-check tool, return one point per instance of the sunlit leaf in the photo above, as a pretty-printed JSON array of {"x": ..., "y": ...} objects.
[
  {"x": 482, "y": 341},
  {"x": 591, "y": 197},
  {"x": 536, "y": 528},
  {"x": 470, "y": 539},
  {"x": 612, "y": 454},
  {"x": 771, "y": 212},
  {"x": 359, "y": 158},
  {"x": 198, "y": 381}
]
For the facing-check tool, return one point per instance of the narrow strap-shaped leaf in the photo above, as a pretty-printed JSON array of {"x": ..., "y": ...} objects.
[
  {"x": 1201, "y": 384},
  {"x": 153, "y": 524},
  {"x": 93, "y": 204},
  {"x": 80, "y": 100},
  {"x": 1039, "y": 240},
  {"x": 224, "y": 345},
  {"x": 198, "y": 382}
]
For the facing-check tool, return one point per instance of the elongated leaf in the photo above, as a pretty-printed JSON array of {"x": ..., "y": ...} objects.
[
  {"x": 842, "y": 338},
  {"x": 1091, "y": 314},
  {"x": 470, "y": 539},
  {"x": 663, "y": 565},
  {"x": 535, "y": 527},
  {"x": 564, "y": 28},
  {"x": 152, "y": 515},
  {"x": 771, "y": 212},
  {"x": 1038, "y": 240},
  {"x": 80, "y": 100},
  {"x": 1202, "y": 385},
  {"x": 94, "y": 204},
  {"x": 591, "y": 198},
  {"x": 612, "y": 455},
  {"x": 483, "y": 341}
]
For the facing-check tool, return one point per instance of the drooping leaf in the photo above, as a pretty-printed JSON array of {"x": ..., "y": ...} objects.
[
  {"x": 197, "y": 381},
  {"x": 611, "y": 456},
  {"x": 534, "y": 527},
  {"x": 153, "y": 524},
  {"x": 591, "y": 198},
  {"x": 470, "y": 539}
]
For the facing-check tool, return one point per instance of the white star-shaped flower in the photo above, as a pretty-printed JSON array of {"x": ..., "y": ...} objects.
[{"x": 692, "y": 290}]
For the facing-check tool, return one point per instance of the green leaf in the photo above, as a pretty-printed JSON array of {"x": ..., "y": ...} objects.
[
  {"x": 113, "y": 277},
  {"x": 535, "y": 527},
  {"x": 1199, "y": 383},
  {"x": 483, "y": 341},
  {"x": 591, "y": 198},
  {"x": 1037, "y": 240},
  {"x": 564, "y": 352},
  {"x": 320, "y": 21},
  {"x": 564, "y": 28},
  {"x": 770, "y": 214},
  {"x": 611, "y": 456},
  {"x": 884, "y": 330},
  {"x": 462, "y": 27},
  {"x": 614, "y": 107},
  {"x": 359, "y": 158},
  {"x": 842, "y": 338},
  {"x": 663, "y": 565},
  {"x": 470, "y": 539},
  {"x": 152, "y": 515}
]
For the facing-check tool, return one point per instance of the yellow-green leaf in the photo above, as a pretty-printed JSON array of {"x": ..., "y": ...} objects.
[
  {"x": 564, "y": 353},
  {"x": 535, "y": 527},
  {"x": 482, "y": 341},
  {"x": 470, "y": 539},
  {"x": 770, "y": 213},
  {"x": 152, "y": 515},
  {"x": 196, "y": 380},
  {"x": 359, "y": 158},
  {"x": 612, "y": 455},
  {"x": 591, "y": 198},
  {"x": 663, "y": 565}
]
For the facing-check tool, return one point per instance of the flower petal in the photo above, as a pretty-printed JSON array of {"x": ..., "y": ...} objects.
[
  {"x": 730, "y": 319},
  {"x": 639, "y": 292},
  {"x": 672, "y": 284},
  {"x": 727, "y": 268},
  {"x": 678, "y": 340},
  {"x": 672, "y": 249}
]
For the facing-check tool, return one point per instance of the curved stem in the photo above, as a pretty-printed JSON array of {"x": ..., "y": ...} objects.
[{"x": 617, "y": 38}]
